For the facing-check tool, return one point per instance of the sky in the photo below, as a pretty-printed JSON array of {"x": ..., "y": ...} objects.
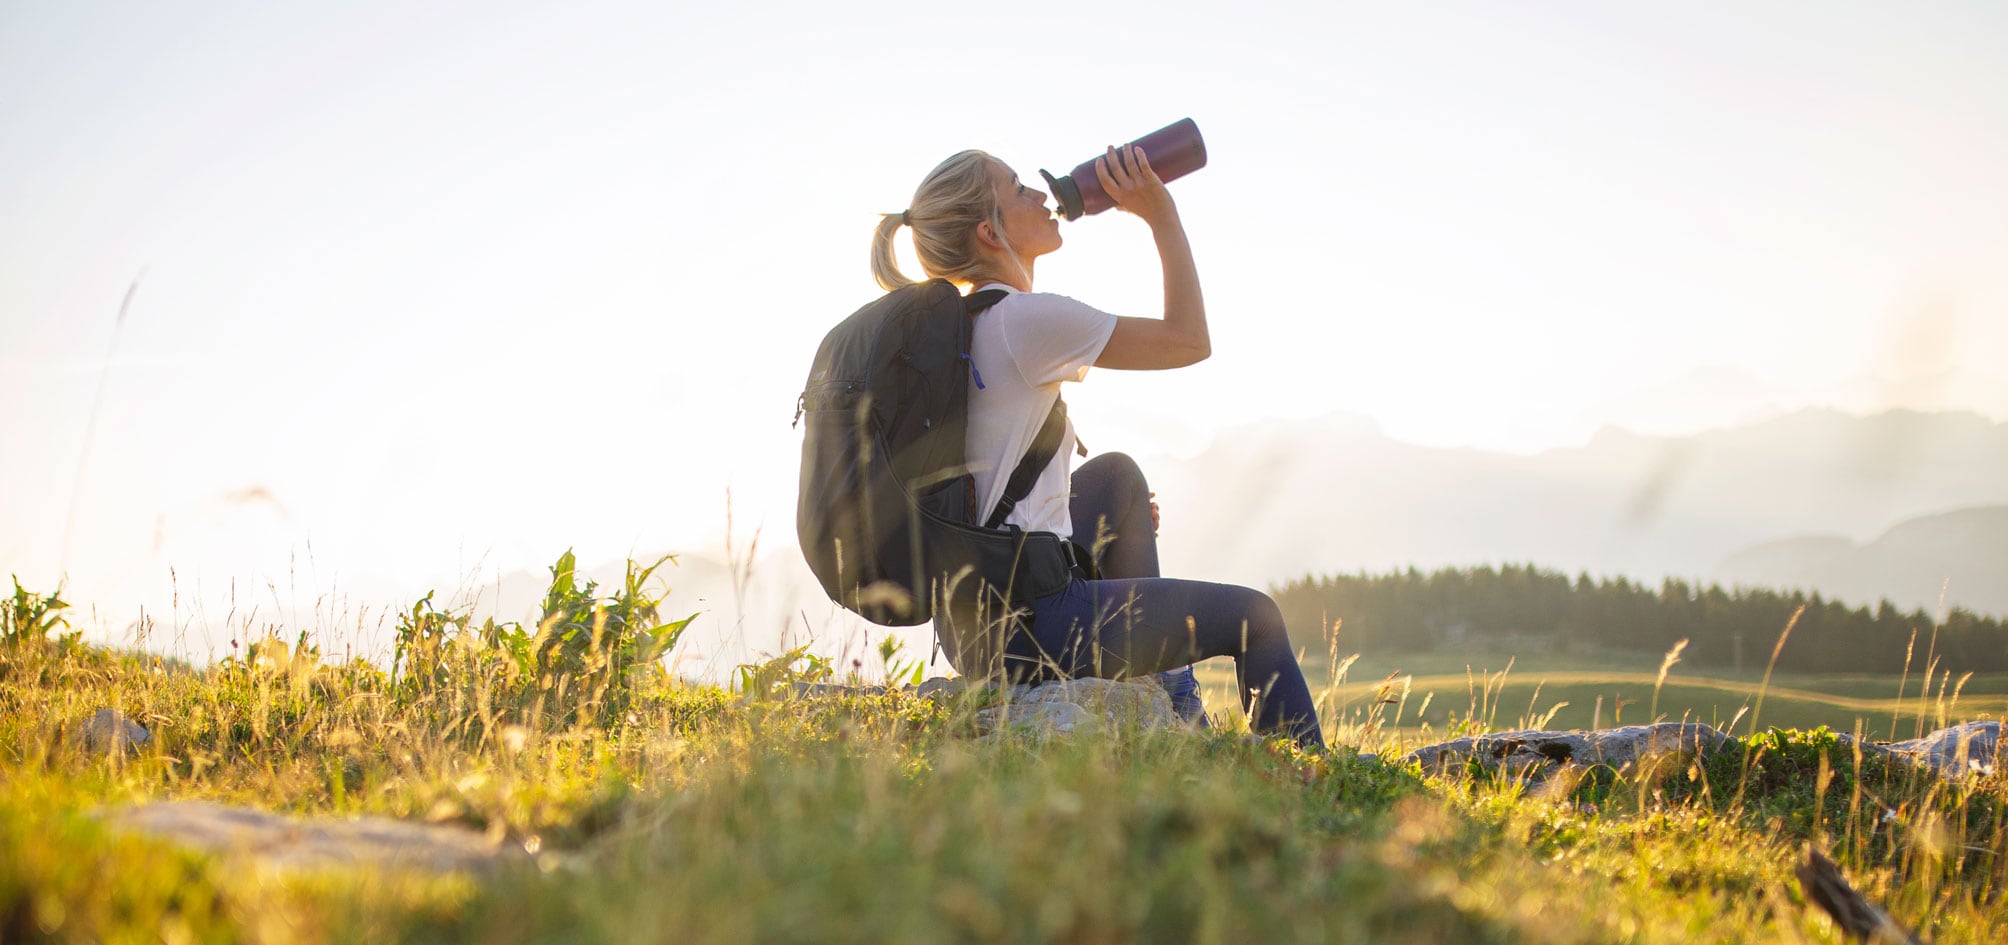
[{"x": 416, "y": 293}]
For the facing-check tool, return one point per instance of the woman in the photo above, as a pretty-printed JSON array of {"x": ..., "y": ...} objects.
[{"x": 977, "y": 225}]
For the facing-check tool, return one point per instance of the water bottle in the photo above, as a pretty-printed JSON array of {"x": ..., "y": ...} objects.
[{"x": 1173, "y": 151}]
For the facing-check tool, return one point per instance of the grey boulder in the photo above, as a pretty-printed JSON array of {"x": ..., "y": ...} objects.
[
  {"x": 1080, "y": 704},
  {"x": 1970, "y": 748},
  {"x": 1046, "y": 718},
  {"x": 1537, "y": 754},
  {"x": 284, "y": 843},
  {"x": 110, "y": 732}
]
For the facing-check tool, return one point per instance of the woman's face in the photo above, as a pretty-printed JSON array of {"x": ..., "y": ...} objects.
[{"x": 1029, "y": 225}]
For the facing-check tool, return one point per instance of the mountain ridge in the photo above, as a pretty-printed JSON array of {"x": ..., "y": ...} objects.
[{"x": 1337, "y": 495}]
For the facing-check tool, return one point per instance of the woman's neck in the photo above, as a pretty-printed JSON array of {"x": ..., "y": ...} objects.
[{"x": 1018, "y": 277}]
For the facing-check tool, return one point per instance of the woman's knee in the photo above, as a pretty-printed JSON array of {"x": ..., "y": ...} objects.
[
  {"x": 1265, "y": 617},
  {"x": 1238, "y": 619},
  {"x": 1120, "y": 474}
]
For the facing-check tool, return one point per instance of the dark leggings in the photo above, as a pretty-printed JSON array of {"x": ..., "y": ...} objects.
[
  {"x": 1111, "y": 511},
  {"x": 1135, "y": 625}
]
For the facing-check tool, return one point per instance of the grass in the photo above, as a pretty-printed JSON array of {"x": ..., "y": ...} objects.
[
  {"x": 1621, "y": 698},
  {"x": 1575, "y": 690},
  {"x": 694, "y": 814}
]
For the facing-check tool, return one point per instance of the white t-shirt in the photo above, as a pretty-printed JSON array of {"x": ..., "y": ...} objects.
[{"x": 1023, "y": 348}]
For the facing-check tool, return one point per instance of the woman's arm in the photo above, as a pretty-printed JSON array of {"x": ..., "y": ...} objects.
[{"x": 1180, "y": 337}]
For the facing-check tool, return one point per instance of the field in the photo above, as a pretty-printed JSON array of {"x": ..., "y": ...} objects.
[
  {"x": 659, "y": 810},
  {"x": 1437, "y": 691}
]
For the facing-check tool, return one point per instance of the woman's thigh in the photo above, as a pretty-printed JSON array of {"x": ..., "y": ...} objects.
[{"x": 1134, "y": 626}]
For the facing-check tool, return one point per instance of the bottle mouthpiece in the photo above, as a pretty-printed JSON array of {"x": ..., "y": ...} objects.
[{"x": 1066, "y": 192}]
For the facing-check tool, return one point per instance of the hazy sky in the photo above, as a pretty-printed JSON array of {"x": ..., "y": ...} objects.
[{"x": 430, "y": 289}]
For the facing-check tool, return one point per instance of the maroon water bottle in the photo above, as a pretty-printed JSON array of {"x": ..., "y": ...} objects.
[{"x": 1173, "y": 151}]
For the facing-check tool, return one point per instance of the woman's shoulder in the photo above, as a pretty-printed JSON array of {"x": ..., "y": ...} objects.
[
  {"x": 1051, "y": 305},
  {"x": 1049, "y": 337}
]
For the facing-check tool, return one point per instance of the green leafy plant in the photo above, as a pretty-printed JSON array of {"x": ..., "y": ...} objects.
[
  {"x": 899, "y": 671},
  {"x": 426, "y": 638},
  {"x": 27, "y": 617},
  {"x": 760, "y": 680},
  {"x": 588, "y": 649},
  {"x": 621, "y": 631},
  {"x": 580, "y": 665}
]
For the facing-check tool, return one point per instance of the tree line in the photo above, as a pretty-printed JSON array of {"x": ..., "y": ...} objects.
[{"x": 1520, "y": 606}]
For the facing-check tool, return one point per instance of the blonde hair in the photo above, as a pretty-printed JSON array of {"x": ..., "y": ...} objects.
[{"x": 951, "y": 200}]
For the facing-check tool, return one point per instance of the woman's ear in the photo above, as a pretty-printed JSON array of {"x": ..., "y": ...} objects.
[{"x": 987, "y": 235}]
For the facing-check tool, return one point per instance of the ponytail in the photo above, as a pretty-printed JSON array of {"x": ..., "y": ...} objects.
[{"x": 885, "y": 265}]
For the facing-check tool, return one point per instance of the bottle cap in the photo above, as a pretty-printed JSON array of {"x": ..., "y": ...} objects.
[{"x": 1066, "y": 192}]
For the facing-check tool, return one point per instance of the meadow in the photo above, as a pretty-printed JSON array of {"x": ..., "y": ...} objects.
[
  {"x": 1435, "y": 691},
  {"x": 661, "y": 810}
]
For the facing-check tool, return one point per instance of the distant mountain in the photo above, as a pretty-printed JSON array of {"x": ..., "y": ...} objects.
[
  {"x": 1961, "y": 556},
  {"x": 1277, "y": 500}
]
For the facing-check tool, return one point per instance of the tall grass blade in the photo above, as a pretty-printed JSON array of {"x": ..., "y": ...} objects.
[
  {"x": 91, "y": 423},
  {"x": 1672, "y": 657},
  {"x": 1776, "y": 649}
]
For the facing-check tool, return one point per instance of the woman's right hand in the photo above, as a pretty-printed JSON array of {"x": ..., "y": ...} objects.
[{"x": 1127, "y": 178}]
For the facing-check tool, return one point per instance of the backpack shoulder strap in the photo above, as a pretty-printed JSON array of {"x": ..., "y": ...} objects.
[
  {"x": 976, "y": 302},
  {"x": 1045, "y": 446}
]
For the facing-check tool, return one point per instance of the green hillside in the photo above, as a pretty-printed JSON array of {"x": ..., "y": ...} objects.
[{"x": 643, "y": 808}]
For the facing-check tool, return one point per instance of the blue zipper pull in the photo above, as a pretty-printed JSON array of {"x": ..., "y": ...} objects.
[{"x": 974, "y": 374}]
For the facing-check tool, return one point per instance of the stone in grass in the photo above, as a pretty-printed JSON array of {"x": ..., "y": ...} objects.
[
  {"x": 943, "y": 688},
  {"x": 288, "y": 844},
  {"x": 1045, "y": 718},
  {"x": 1078, "y": 704},
  {"x": 937, "y": 688},
  {"x": 1535, "y": 755},
  {"x": 1139, "y": 704},
  {"x": 822, "y": 690},
  {"x": 110, "y": 732},
  {"x": 1971, "y": 748},
  {"x": 1060, "y": 706}
]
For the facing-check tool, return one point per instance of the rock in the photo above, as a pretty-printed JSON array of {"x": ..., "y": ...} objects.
[
  {"x": 1971, "y": 748},
  {"x": 1537, "y": 754},
  {"x": 1042, "y": 718},
  {"x": 1528, "y": 753},
  {"x": 1632, "y": 742},
  {"x": 1974, "y": 747},
  {"x": 1141, "y": 704},
  {"x": 288, "y": 844},
  {"x": 942, "y": 688},
  {"x": 1061, "y": 706},
  {"x": 817, "y": 690},
  {"x": 1080, "y": 704},
  {"x": 110, "y": 732}
]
